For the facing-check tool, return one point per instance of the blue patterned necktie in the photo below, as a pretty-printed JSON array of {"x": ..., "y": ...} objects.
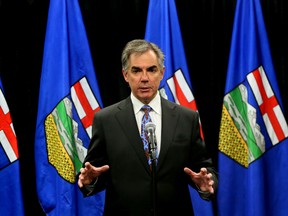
[{"x": 146, "y": 118}]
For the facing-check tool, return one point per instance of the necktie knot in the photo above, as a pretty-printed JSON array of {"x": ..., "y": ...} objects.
[{"x": 146, "y": 109}]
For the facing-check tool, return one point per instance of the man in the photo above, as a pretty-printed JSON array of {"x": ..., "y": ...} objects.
[{"x": 116, "y": 159}]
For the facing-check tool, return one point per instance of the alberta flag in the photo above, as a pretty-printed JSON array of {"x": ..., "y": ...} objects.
[
  {"x": 163, "y": 29},
  {"x": 253, "y": 144},
  {"x": 68, "y": 98},
  {"x": 10, "y": 191}
]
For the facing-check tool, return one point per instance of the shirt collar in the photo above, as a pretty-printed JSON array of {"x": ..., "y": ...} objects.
[{"x": 155, "y": 103}]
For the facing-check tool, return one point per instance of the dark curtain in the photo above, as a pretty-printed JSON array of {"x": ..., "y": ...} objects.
[{"x": 206, "y": 30}]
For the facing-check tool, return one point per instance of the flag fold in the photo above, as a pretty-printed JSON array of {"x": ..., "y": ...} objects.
[
  {"x": 11, "y": 198},
  {"x": 68, "y": 98},
  {"x": 253, "y": 145}
]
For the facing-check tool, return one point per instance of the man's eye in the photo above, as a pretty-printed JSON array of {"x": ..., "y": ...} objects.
[
  {"x": 135, "y": 70},
  {"x": 153, "y": 70}
]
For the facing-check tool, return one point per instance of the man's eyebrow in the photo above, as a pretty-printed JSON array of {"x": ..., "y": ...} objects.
[
  {"x": 139, "y": 68},
  {"x": 135, "y": 67},
  {"x": 152, "y": 67}
]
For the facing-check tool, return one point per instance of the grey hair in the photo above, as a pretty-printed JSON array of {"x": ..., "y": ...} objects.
[{"x": 140, "y": 46}]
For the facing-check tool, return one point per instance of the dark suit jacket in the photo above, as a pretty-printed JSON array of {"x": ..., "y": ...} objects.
[{"x": 116, "y": 141}]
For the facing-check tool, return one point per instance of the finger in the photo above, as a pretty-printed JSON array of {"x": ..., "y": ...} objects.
[
  {"x": 104, "y": 168},
  {"x": 203, "y": 171},
  {"x": 188, "y": 171},
  {"x": 193, "y": 175},
  {"x": 99, "y": 170},
  {"x": 80, "y": 184},
  {"x": 82, "y": 170},
  {"x": 211, "y": 190},
  {"x": 209, "y": 176},
  {"x": 88, "y": 165}
]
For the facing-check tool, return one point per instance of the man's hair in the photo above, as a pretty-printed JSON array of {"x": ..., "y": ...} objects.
[{"x": 140, "y": 46}]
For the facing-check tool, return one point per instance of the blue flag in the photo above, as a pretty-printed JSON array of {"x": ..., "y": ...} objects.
[
  {"x": 253, "y": 145},
  {"x": 11, "y": 190},
  {"x": 68, "y": 98},
  {"x": 163, "y": 29}
]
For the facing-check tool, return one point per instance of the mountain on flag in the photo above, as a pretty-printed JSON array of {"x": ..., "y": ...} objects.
[
  {"x": 163, "y": 29},
  {"x": 68, "y": 98},
  {"x": 253, "y": 144},
  {"x": 11, "y": 190}
]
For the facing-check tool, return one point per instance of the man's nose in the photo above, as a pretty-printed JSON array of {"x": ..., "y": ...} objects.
[{"x": 145, "y": 75}]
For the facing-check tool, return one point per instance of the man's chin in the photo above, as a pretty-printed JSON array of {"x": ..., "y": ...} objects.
[{"x": 146, "y": 97}]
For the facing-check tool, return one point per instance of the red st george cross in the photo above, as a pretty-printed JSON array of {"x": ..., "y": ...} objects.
[
  {"x": 181, "y": 96},
  {"x": 6, "y": 127},
  {"x": 267, "y": 106},
  {"x": 183, "y": 100},
  {"x": 88, "y": 119}
]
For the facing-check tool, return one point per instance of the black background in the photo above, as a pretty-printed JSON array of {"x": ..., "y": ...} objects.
[{"x": 206, "y": 27}]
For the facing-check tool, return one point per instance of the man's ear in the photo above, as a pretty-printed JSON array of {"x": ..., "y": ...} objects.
[
  {"x": 125, "y": 75},
  {"x": 162, "y": 72}
]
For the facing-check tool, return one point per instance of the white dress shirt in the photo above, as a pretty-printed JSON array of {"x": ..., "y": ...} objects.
[{"x": 155, "y": 114}]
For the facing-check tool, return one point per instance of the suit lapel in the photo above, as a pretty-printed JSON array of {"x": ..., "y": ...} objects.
[
  {"x": 168, "y": 116},
  {"x": 127, "y": 121}
]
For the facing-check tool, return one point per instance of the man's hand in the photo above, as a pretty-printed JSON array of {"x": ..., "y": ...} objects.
[
  {"x": 89, "y": 173},
  {"x": 203, "y": 180}
]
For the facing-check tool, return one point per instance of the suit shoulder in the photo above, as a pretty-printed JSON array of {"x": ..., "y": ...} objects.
[
  {"x": 179, "y": 107},
  {"x": 112, "y": 108}
]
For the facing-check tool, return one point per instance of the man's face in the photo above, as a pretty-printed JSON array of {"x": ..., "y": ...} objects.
[{"x": 144, "y": 76}]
